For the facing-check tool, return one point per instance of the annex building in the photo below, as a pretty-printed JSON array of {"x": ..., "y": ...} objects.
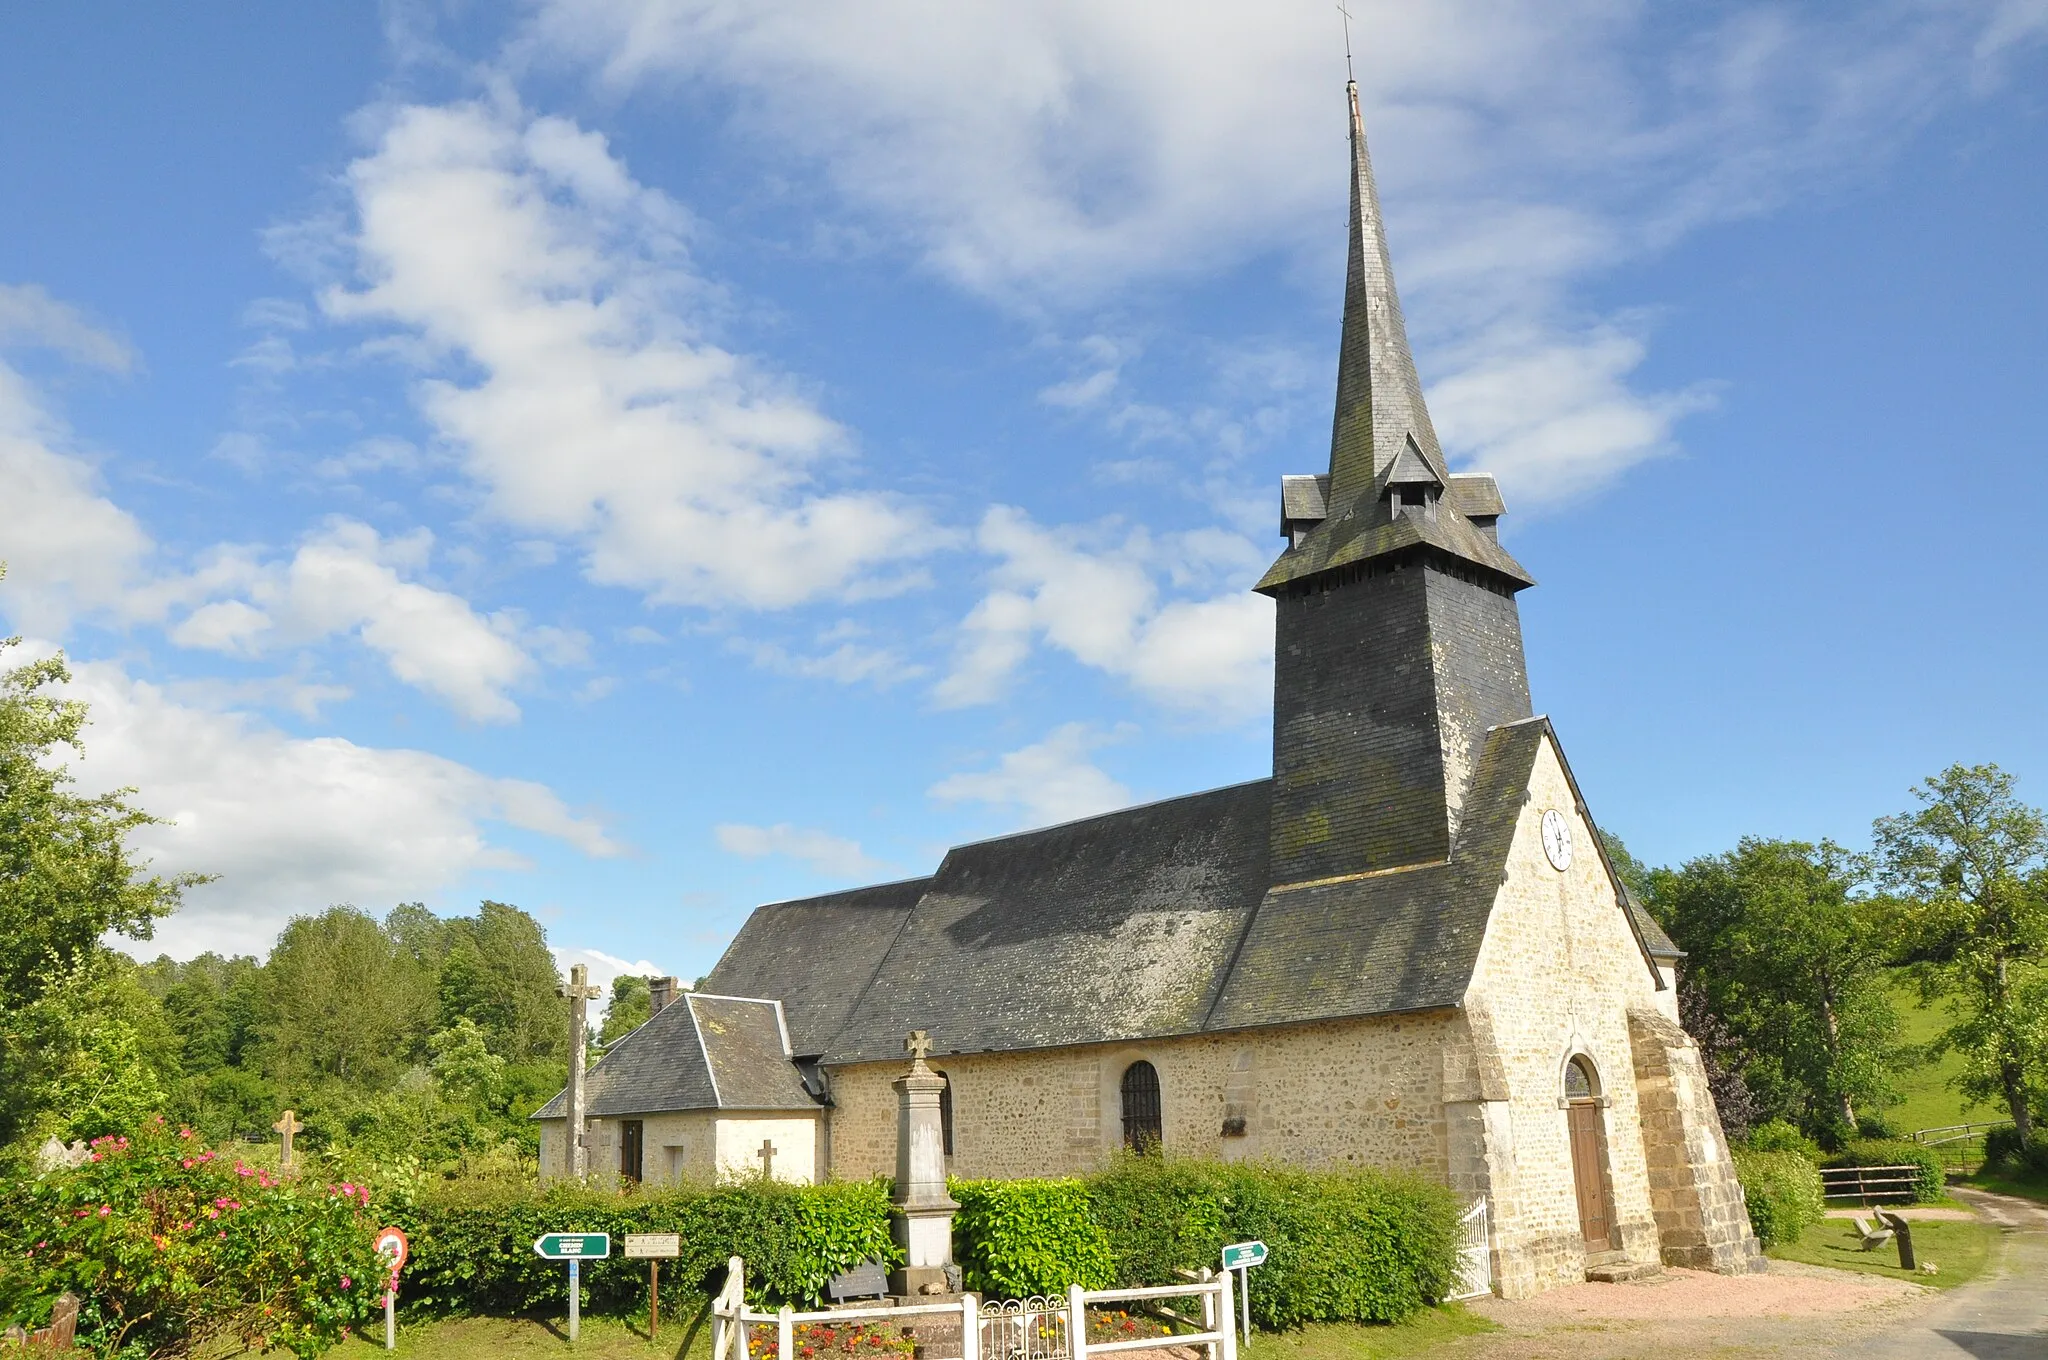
[{"x": 1406, "y": 948}]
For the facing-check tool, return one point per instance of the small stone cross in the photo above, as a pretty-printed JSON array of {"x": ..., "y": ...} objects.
[
  {"x": 919, "y": 1047},
  {"x": 287, "y": 1126},
  {"x": 767, "y": 1159}
]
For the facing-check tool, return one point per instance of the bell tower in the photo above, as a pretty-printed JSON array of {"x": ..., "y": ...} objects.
[{"x": 1398, "y": 642}]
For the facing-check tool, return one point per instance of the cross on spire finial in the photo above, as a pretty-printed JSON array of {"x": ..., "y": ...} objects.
[{"x": 1349, "y": 74}]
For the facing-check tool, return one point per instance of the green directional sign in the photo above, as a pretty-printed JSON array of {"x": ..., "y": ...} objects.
[
  {"x": 1239, "y": 1255},
  {"x": 573, "y": 1246}
]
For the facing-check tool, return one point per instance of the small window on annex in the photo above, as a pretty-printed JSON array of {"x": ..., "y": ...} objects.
[
  {"x": 1578, "y": 1080},
  {"x": 1143, "y": 1130},
  {"x": 946, "y": 1113}
]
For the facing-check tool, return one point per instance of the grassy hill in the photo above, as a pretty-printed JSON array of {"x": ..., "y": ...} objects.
[{"x": 1930, "y": 1101}]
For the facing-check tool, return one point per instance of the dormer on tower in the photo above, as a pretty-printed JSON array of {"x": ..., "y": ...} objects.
[{"x": 1398, "y": 643}]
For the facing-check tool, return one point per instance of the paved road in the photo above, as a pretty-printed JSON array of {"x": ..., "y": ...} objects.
[{"x": 2001, "y": 1317}]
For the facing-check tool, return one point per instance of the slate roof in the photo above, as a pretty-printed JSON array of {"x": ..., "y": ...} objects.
[
  {"x": 1303, "y": 496},
  {"x": 1152, "y": 921},
  {"x": 1476, "y": 495},
  {"x": 1115, "y": 927},
  {"x": 1394, "y": 940},
  {"x": 701, "y": 1053},
  {"x": 816, "y": 956},
  {"x": 1654, "y": 939},
  {"x": 1368, "y": 530}
]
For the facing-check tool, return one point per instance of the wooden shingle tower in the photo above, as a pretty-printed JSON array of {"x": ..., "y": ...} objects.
[{"x": 1398, "y": 642}]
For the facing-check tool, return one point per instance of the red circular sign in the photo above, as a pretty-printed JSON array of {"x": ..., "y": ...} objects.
[{"x": 392, "y": 1246}]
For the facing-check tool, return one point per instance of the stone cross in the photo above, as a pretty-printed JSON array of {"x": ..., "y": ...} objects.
[
  {"x": 287, "y": 1126},
  {"x": 580, "y": 994},
  {"x": 767, "y": 1159},
  {"x": 919, "y": 1047}
]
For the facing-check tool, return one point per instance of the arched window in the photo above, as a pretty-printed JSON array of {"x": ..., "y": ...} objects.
[
  {"x": 1578, "y": 1080},
  {"x": 1140, "y": 1091},
  {"x": 945, "y": 1112}
]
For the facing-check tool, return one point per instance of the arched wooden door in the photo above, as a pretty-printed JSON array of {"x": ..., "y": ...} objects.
[{"x": 1589, "y": 1156}]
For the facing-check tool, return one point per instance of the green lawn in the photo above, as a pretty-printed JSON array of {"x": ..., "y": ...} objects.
[
  {"x": 2031, "y": 1186},
  {"x": 1419, "y": 1335},
  {"x": 1960, "y": 1250},
  {"x": 600, "y": 1338},
  {"x": 1930, "y": 1102},
  {"x": 611, "y": 1339}
]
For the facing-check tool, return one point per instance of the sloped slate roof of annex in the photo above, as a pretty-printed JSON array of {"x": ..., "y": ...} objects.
[
  {"x": 816, "y": 955},
  {"x": 701, "y": 1053}
]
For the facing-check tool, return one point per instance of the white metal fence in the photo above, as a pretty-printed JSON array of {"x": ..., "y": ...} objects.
[
  {"x": 1007, "y": 1329},
  {"x": 1475, "y": 1253}
]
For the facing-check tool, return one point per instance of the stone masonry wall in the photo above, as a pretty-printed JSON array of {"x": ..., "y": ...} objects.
[
  {"x": 1557, "y": 975},
  {"x": 1352, "y": 1092},
  {"x": 1701, "y": 1216}
]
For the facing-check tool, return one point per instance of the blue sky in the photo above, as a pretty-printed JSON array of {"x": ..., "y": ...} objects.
[{"x": 640, "y": 459}]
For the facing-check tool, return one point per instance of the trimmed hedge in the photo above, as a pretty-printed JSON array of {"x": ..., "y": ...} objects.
[
  {"x": 1354, "y": 1246},
  {"x": 1019, "y": 1238},
  {"x": 1783, "y": 1192},
  {"x": 472, "y": 1243},
  {"x": 1930, "y": 1182},
  {"x": 2002, "y": 1150}
]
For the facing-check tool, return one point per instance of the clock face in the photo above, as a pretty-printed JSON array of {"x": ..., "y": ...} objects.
[{"x": 1557, "y": 840}]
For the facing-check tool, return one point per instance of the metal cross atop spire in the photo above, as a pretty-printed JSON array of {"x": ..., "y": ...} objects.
[{"x": 1349, "y": 74}]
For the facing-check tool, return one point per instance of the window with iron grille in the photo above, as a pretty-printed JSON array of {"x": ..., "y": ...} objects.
[{"x": 1140, "y": 1090}]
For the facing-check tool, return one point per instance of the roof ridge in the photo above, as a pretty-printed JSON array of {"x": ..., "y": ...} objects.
[{"x": 1100, "y": 816}]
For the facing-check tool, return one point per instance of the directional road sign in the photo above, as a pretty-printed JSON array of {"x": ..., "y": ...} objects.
[
  {"x": 654, "y": 1246},
  {"x": 1238, "y": 1255},
  {"x": 573, "y": 1246}
]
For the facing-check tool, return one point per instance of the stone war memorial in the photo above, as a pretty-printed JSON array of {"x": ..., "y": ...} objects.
[{"x": 1404, "y": 949}]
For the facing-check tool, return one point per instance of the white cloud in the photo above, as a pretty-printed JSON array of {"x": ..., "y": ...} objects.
[
  {"x": 834, "y": 856},
  {"x": 545, "y": 299},
  {"x": 1104, "y": 606},
  {"x": 1048, "y": 782},
  {"x": 1051, "y": 156},
  {"x": 292, "y": 824},
  {"x": 66, "y": 545},
  {"x": 604, "y": 969},
  {"x": 345, "y": 579},
  {"x": 843, "y": 658}
]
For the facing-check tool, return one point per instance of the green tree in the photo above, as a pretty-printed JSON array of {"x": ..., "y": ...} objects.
[
  {"x": 631, "y": 1006},
  {"x": 1792, "y": 960},
  {"x": 1970, "y": 867},
  {"x": 464, "y": 1066},
  {"x": 344, "y": 1003},
  {"x": 67, "y": 881},
  {"x": 499, "y": 972}
]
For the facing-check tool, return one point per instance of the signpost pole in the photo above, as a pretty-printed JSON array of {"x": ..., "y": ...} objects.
[
  {"x": 575, "y": 1297},
  {"x": 390, "y": 1320},
  {"x": 653, "y": 1297},
  {"x": 1244, "y": 1294}
]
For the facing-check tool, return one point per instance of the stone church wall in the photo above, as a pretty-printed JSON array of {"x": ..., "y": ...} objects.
[
  {"x": 1556, "y": 977},
  {"x": 1338, "y": 1093}
]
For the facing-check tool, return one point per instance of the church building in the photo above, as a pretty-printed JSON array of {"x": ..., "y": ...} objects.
[{"x": 1405, "y": 949}]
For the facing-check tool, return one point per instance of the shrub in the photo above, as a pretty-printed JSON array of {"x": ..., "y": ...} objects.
[
  {"x": 1019, "y": 1238},
  {"x": 1778, "y": 1135},
  {"x": 172, "y": 1247},
  {"x": 1783, "y": 1193},
  {"x": 1874, "y": 1125},
  {"x": 1361, "y": 1246},
  {"x": 2002, "y": 1150},
  {"x": 1929, "y": 1178},
  {"x": 472, "y": 1242}
]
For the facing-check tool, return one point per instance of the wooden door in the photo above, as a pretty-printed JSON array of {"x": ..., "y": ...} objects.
[
  {"x": 1589, "y": 1174},
  {"x": 631, "y": 1136}
]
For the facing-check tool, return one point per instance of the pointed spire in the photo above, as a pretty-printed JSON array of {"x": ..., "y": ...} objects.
[{"x": 1379, "y": 395}]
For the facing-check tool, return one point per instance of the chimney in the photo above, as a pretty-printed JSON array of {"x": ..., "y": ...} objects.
[{"x": 661, "y": 992}]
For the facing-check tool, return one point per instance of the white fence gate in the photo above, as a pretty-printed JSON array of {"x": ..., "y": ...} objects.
[
  {"x": 1007, "y": 1329},
  {"x": 1475, "y": 1256}
]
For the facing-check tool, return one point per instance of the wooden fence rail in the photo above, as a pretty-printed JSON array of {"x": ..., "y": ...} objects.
[{"x": 1867, "y": 1183}]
